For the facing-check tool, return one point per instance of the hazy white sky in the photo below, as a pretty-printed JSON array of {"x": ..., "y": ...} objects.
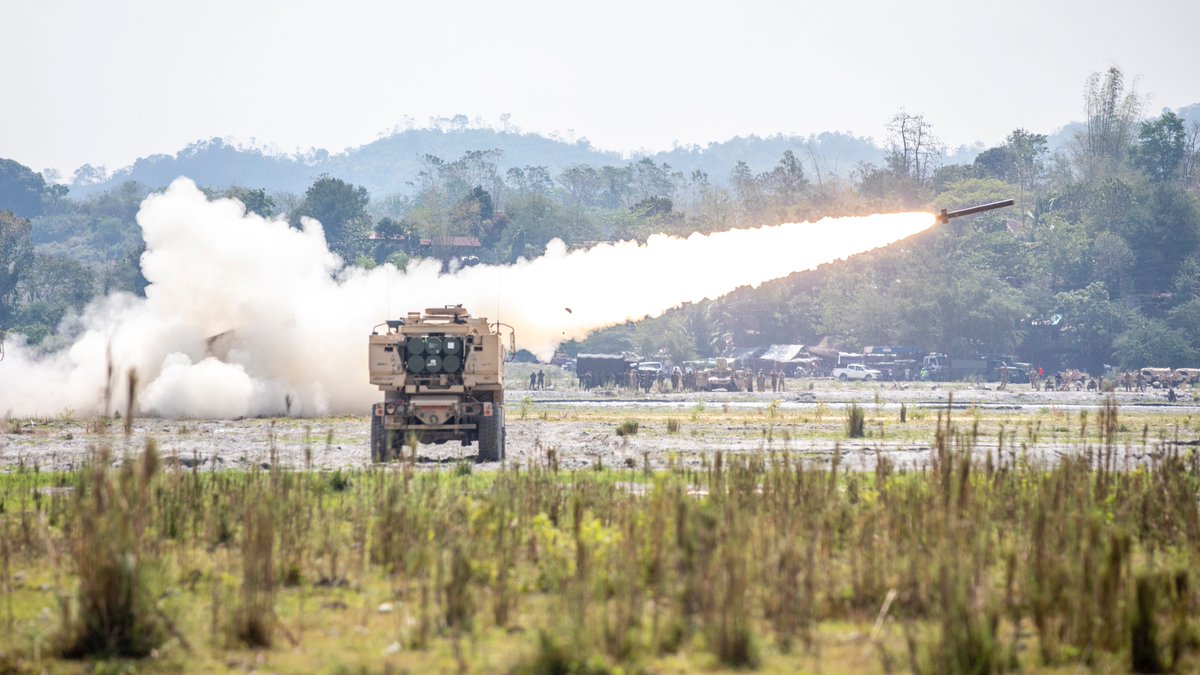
[{"x": 107, "y": 82}]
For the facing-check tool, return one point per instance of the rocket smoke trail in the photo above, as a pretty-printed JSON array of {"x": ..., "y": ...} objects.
[{"x": 299, "y": 326}]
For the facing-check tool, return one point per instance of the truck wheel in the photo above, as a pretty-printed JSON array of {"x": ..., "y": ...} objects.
[
  {"x": 843, "y": 377},
  {"x": 491, "y": 435},
  {"x": 868, "y": 378},
  {"x": 378, "y": 439}
]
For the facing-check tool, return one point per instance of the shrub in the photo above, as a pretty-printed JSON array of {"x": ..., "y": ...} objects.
[
  {"x": 855, "y": 420},
  {"x": 115, "y": 605}
]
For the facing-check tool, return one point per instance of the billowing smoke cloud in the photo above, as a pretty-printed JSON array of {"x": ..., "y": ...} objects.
[{"x": 293, "y": 328}]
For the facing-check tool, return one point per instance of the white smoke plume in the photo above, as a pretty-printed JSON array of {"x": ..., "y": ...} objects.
[{"x": 299, "y": 327}]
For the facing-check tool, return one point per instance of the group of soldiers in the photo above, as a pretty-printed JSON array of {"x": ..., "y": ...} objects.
[
  {"x": 537, "y": 380},
  {"x": 778, "y": 380},
  {"x": 1061, "y": 380},
  {"x": 1140, "y": 380},
  {"x": 1067, "y": 380}
]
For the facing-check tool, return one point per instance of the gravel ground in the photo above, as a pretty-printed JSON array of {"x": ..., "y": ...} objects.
[{"x": 578, "y": 426}]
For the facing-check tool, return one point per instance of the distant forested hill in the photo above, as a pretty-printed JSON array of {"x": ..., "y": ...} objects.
[
  {"x": 383, "y": 167},
  {"x": 388, "y": 165}
]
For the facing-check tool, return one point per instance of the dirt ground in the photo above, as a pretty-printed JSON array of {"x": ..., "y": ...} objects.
[{"x": 578, "y": 428}]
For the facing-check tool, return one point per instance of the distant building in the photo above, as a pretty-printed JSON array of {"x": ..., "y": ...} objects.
[{"x": 446, "y": 249}]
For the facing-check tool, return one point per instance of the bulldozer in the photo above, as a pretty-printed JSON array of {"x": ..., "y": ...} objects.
[{"x": 442, "y": 375}]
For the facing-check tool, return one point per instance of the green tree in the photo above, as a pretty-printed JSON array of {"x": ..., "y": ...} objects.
[
  {"x": 533, "y": 221},
  {"x": 255, "y": 201},
  {"x": 1027, "y": 152},
  {"x": 1113, "y": 263},
  {"x": 53, "y": 285},
  {"x": 341, "y": 209},
  {"x": 57, "y": 279},
  {"x": 614, "y": 340},
  {"x": 1162, "y": 227},
  {"x": 1161, "y": 147},
  {"x": 995, "y": 163},
  {"x": 1185, "y": 285},
  {"x": 913, "y": 149},
  {"x": 652, "y": 180},
  {"x": 1113, "y": 115},
  {"x": 955, "y": 307},
  {"x": 16, "y": 257},
  {"x": 747, "y": 189},
  {"x": 22, "y": 190},
  {"x": 1091, "y": 320},
  {"x": 1186, "y": 318},
  {"x": 786, "y": 182},
  {"x": 1151, "y": 342},
  {"x": 1063, "y": 254},
  {"x": 126, "y": 274}
]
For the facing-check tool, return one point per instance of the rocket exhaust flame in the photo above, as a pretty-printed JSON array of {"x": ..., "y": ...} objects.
[{"x": 299, "y": 327}]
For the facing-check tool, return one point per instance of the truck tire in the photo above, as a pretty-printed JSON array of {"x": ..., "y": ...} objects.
[
  {"x": 491, "y": 435},
  {"x": 868, "y": 378},
  {"x": 843, "y": 377},
  {"x": 379, "y": 451}
]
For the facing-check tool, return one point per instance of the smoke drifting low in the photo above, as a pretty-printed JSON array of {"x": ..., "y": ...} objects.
[{"x": 298, "y": 326}]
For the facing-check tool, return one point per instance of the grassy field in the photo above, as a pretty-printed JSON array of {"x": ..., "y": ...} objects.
[{"x": 983, "y": 560}]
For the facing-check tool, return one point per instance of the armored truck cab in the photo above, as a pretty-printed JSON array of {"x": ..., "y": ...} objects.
[{"x": 442, "y": 375}]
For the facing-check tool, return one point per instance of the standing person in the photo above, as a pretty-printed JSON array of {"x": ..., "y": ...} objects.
[
  {"x": 762, "y": 379},
  {"x": 541, "y": 380},
  {"x": 774, "y": 380},
  {"x": 676, "y": 376},
  {"x": 782, "y": 381},
  {"x": 532, "y": 380}
]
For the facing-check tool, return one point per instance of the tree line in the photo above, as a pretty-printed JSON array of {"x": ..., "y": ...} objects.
[{"x": 1098, "y": 264}]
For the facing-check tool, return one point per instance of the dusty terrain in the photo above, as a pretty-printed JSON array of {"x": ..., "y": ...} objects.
[{"x": 578, "y": 428}]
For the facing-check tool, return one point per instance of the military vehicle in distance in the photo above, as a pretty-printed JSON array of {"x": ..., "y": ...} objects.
[
  {"x": 723, "y": 376},
  {"x": 442, "y": 374}
]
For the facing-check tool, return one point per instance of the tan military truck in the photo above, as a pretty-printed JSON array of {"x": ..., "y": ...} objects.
[
  {"x": 723, "y": 376},
  {"x": 442, "y": 374}
]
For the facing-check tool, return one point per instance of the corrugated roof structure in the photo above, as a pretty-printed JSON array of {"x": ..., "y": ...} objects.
[{"x": 782, "y": 353}]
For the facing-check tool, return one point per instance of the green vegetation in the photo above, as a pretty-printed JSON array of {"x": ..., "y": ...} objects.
[
  {"x": 1098, "y": 263},
  {"x": 982, "y": 561},
  {"x": 855, "y": 418},
  {"x": 627, "y": 428}
]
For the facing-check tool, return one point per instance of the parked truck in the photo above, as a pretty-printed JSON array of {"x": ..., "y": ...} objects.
[
  {"x": 604, "y": 370},
  {"x": 982, "y": 368},
  {"x": 856, "y": 371}
]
